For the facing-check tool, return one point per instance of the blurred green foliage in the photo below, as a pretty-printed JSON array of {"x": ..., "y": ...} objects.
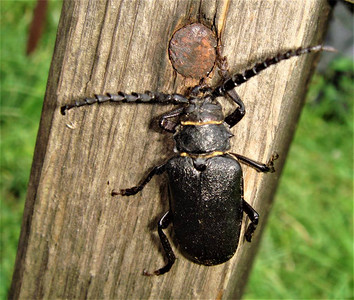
[
  {"x": 307, "y": 249},
  {"x": 23, "y": 82}
]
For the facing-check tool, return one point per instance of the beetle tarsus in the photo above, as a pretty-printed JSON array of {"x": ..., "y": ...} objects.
[
  {"x": 126, "y": 192},
  {"x": 249, "y": 232},
  {"x": 147, "y": 273},
  {"x": 131, "y": 191},
  {"x": 63, "y": 109},
  {"x": 270, "y": 163},
  {"x": 115, "y": 193}
]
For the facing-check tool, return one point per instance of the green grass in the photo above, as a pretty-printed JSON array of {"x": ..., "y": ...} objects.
[
  {"x": 307, "y": 249},
  {"x": 23, "y": 82}
]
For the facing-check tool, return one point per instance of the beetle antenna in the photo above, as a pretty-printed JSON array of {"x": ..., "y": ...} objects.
[
  {"x": 151, "y": 97},
  {"x": 239, "y": 78}
]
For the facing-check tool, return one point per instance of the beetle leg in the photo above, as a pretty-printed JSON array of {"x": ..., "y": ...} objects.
[
  {"x": 134, "y": 190},
  {"x": 235, "y": 117},
  {"x": 251, "y": 213},
  {"x": 170, "y": 125},
  {"x": 259, "y": 167},
  {"x": 222, "y": 64},
  {"x": 240, "y": 111},
  {"x": 254, "y": 217},
  {"x": 202, "y": 87},
  {"x": 163, "y": 224}
]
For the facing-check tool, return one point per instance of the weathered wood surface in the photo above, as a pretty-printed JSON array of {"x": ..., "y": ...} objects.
[{"x": 79, "y": 242}]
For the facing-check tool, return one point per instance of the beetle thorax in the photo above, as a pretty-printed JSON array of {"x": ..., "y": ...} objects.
[{"x": 202, "y": 129}]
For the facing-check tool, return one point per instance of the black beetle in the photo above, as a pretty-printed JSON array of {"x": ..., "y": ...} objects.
[{"x": 205, "y": 179}]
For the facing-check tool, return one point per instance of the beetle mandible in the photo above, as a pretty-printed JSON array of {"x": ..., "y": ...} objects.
[{"x": 205, "y": 179}]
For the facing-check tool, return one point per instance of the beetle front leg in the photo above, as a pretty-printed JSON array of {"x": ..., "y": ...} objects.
[
  {"x": 168, "y": 125},
  {"x": 259, "y": 167},
  {"x": 134, "y": 190},
  {"x": 236, "y": 116},
  {"x": 163, "y": 224}
]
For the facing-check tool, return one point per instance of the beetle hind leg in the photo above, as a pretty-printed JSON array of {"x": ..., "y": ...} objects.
[
  {"x": 252, "y": 214},
  {"x": 163, "y": 224},
  {"x": 254, "y": 217}
]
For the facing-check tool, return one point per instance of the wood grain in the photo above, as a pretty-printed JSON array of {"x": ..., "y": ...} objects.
[{"x": 79, "y": 242}]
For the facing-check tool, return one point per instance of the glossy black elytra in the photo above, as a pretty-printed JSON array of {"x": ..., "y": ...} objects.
[{"x": 205, "y": 179}]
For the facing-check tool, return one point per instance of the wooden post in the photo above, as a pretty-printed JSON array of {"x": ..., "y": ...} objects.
[{"x": 79, "y": 242}]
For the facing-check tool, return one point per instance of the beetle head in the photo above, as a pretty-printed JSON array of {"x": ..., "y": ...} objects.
[{"x": 203, "y": 110}]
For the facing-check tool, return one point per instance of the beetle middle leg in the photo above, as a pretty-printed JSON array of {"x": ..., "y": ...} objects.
[
  {"x": 163, "y": 224},
  {"x": 259, "y": 167},
  {"x": 135, "y": 189}
]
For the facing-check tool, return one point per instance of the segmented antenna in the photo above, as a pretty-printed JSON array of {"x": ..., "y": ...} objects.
[
  {"x": 151, "y": 97},
  {"x": 240, "y": 78}
]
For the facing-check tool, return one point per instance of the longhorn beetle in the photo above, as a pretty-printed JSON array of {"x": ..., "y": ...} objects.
[{"x": 205, "y": 179}]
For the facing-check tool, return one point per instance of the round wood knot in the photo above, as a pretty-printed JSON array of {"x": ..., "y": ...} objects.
[{"x": 192, "y": 50}]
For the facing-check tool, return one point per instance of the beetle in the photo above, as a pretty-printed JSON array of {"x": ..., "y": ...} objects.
[{"x": 205, "y": 179}]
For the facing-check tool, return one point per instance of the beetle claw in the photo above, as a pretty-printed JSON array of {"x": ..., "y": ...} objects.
[
  {"x": 147, "y": 273},
  {"x": 129, "y": 192},
  {"x": 249, "y": 232},
  {"x": 270, "y": 164},
  {"x": 126, "y": 192},
  {"x": 275, "y": 156},
  {"x": 115, "y": 193}
]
